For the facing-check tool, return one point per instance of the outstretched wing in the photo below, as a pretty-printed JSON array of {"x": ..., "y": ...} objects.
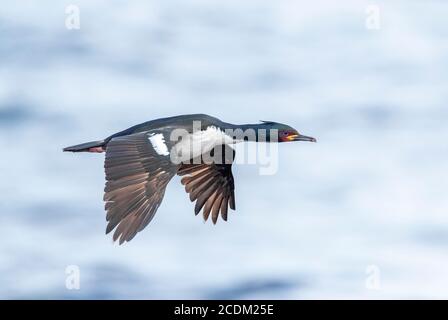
[
  {"x": 211, "y": 185},
  {"x": 138, "y": 169}
]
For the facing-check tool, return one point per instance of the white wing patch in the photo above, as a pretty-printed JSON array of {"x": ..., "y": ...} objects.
[{"x": 158, "y": 143}]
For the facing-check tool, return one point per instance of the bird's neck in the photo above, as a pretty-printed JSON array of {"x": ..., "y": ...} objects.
[{"x": 258, "y": 132}]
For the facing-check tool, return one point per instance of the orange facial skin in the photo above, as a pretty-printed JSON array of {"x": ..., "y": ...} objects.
[{"x": 291, "y": 137}]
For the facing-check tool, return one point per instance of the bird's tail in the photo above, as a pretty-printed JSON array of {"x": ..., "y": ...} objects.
[{"x": 94, "y": 146}]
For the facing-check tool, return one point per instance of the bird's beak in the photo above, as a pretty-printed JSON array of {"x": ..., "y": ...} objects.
[{"x": 299, "y": 137}]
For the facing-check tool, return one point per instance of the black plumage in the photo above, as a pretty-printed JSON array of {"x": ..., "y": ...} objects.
[{"x": 139, "y": 166}]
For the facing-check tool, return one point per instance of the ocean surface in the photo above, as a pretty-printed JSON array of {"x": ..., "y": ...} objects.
[{"x": 361, "y": 214}]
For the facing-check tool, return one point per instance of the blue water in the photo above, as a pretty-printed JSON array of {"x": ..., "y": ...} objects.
[{"x": 371, "y": 192}]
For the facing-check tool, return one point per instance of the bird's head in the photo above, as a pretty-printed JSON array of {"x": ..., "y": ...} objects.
[{"x": 285, "y": 133}]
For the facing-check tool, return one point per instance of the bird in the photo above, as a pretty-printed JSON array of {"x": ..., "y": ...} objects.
[{"x": 141, "y": 160}]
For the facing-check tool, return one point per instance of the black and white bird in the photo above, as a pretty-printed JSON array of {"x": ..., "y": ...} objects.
[{"x": 141, "y": 160}]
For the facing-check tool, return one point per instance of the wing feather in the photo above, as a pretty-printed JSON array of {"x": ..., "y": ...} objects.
[
  {"x": 211, "y": 185},
  {"x": 136, "y": 179}
]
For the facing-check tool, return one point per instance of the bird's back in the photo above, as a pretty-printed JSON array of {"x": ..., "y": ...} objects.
[{"x": 177, "y": 122}]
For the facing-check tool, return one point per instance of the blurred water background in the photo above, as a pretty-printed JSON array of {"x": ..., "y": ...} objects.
[{"x": 370, "y": 195}]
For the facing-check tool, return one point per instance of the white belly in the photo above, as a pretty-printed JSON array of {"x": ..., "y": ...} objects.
[{"x": 198, "y": 143}]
